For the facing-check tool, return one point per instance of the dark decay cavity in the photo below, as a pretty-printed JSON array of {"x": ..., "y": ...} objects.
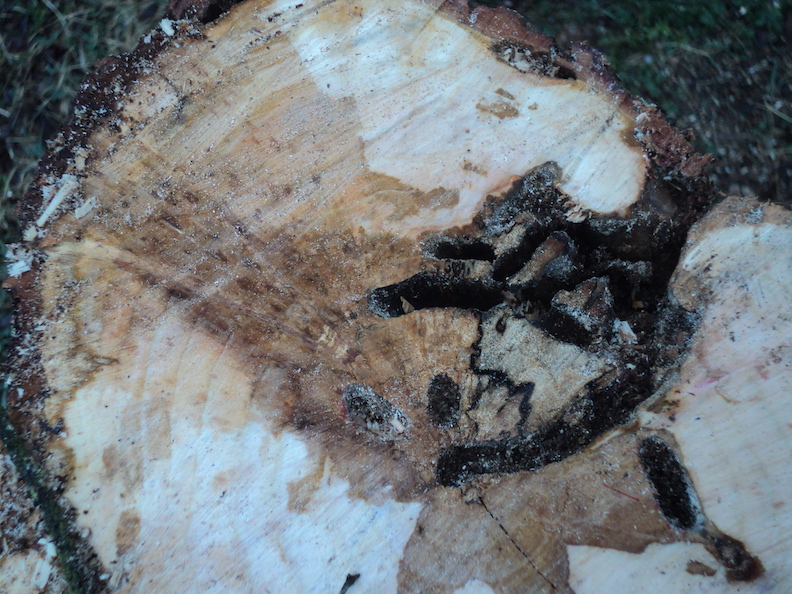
[
  {"x": 524, "y": 391},
  {"x": 740, "y": 565},
  {"x": 432, "y": 289},
  {"x": 448, "y": 249},
  {"x": 372, "y": 413},
  {"x": 443, "y": 401},
  {"x": 676, "y": 497},
  {"x": 526, "y": 59},
  {"x": 672, "y": 488},
  {"x": 600, "y": 284},
  {"x": 493, "y": 380},
  {"x": 351, "y": 578},
  {"x": 598, "y": 410}
]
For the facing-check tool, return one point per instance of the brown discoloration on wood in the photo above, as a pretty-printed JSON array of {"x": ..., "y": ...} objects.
[
  {"x": 505, "y": 93},
  {"x": 584, "y": 501},
  {"x": 668, "y": 147},
  {"x": 488, "y": 554},
  {"x": 468, "y": 166},
  {"x": 500, "y": 110},
  {"x": 300, "y": 492},
  {"x": 698, "y": 568},
  {"x": 127, "y": 531}
]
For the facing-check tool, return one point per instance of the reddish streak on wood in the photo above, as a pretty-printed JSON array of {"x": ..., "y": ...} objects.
[{"x": 620, "y": 492}]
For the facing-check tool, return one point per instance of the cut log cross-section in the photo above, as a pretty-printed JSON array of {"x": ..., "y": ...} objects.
[{"x": 395, "y": 296}]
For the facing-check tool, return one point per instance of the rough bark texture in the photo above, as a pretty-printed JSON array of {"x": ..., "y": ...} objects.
[
  {"x": 28, "y": 555},
  {"x": 379, "y": 296}
]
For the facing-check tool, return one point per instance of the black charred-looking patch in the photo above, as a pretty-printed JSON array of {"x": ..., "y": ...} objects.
[
  {"x": 554, "y": 265},
  {"x": 584, "y": 421},
  {"x": 370, "y": 412},
  {"x": 599, "y": 282},
  {"x": 524, "y": 391},
  {"x": 672, "y": 488},
  {"x": 351, "y": 578},
  {"x": 443, "y": 401},
  {"x": 580, "y": 316},
  {"x": 432, "y": 289},
  {"x": 534, "y": 199},
  {"x": 510, "y": 262},
  {"x": 461, "y": 249}
]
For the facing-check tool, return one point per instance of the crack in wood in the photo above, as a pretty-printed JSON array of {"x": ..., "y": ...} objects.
[{"x": 516, "y": 546}]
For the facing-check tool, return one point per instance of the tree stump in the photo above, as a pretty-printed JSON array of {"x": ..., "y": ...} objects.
[{"x": 386, "y": 296}]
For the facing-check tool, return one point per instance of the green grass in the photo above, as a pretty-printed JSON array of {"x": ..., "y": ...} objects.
[{"x": 46, "y": 48}]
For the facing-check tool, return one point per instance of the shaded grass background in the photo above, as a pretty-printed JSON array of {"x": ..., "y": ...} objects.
[{"x": 46, "y": 48}]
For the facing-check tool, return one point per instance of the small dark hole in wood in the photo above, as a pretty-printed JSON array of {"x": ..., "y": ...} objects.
[
  {"x": 524, "y": 391},
  {"x": 566, "y": 73},
  {"x": 672, "y": 488},
  {"x": 431, "y": 289},
  {"x": 444, "y": 400},
  {"x": 351, "y": 578},
  {"x": 216, "y": 9},
  {"x": 462, "y": 250}
]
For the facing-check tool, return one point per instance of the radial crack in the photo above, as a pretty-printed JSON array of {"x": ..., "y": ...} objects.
[{"x": 516, "y": 546}]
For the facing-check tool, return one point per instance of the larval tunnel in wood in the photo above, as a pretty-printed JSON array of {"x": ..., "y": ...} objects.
[{"x": 386, "y": 296}]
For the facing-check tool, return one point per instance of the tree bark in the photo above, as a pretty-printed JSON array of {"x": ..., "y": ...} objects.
[{"x": 395, "y": 296}]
